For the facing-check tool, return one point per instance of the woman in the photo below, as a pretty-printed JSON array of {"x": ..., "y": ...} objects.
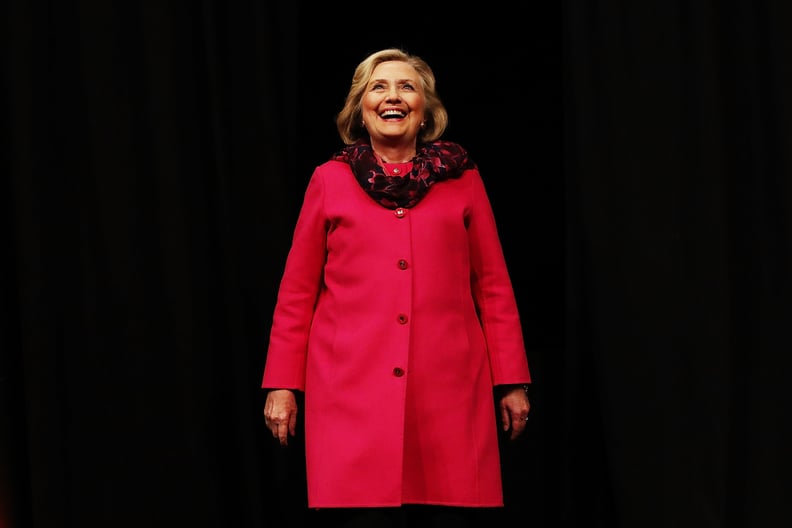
[{"x": 396, "y": 314}]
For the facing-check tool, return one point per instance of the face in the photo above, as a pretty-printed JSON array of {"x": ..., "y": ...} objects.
[{"x": 393, "y": 104}]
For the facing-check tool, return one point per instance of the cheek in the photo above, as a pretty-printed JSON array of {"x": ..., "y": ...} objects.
[
  {"x": 417, "y": 103},
  {"x": 369, "y": 104}
]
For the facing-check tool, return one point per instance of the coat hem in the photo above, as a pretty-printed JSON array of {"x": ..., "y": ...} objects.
[{"x": 405, "y": 503}]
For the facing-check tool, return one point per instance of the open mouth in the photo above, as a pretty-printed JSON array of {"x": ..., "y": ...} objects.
[{"x": 393, "y": 114}]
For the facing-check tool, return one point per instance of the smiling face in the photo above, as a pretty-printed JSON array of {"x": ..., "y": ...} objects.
[{"x": 393, "y": 106}]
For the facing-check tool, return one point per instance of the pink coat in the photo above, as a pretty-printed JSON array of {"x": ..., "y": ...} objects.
[{"x": 397, "y": 324}]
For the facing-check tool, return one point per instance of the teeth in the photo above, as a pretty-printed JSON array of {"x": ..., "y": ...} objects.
[{"x": 392, "y": 113}]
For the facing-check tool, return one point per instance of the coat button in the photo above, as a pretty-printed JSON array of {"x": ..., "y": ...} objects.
[
  {"x": 402, "y": 318},
  {"x": 400, "y": 212},
  {"x": 402, "y": 264},
  {"x": 398, "y": 372}
]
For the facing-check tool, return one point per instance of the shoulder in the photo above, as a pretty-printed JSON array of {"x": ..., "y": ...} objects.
[
  {"x": 332, "y": 177},
  {"x": 472, "y": 176},
  {"x": 331, "y": 168}
]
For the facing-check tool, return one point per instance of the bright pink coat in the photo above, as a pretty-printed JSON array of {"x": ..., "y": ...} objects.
[{"x": 396, "y": 324}]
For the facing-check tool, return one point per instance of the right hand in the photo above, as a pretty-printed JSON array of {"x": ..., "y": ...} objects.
[{"x": 280, "y": 414}]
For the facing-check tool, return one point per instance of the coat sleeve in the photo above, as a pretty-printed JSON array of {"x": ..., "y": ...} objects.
[
  {"x": 297, "y": 294},
  {"x": 493, "y": 292}
]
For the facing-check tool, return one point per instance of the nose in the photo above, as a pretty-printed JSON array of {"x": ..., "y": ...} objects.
[{"x": 393, "y": 94}]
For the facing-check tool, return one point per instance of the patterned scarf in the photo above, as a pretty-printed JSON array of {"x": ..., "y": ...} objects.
[{"x": 434, "y": 162}]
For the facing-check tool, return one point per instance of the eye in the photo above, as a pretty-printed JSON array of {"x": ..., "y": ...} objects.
[
  {"x": 408, "y": 87},
  {"x": 377, "y": 86}
]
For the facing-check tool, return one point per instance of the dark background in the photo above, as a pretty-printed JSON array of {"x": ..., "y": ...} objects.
[{"x": 154, "y": 156}]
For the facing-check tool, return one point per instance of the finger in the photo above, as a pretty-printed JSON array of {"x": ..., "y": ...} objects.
[
  {"x": 282, "y": 432},
  {"x": 505, "y": 418}
]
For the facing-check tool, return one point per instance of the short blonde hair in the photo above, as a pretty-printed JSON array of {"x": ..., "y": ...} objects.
[{"x": 349, "y": 119}]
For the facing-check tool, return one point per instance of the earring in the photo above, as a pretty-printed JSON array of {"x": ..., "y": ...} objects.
[
  {"x": 363, "y": 124},
  {"x": 423, "y": 124}
]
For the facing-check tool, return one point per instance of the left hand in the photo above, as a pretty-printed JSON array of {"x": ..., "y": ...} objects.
[{"x": 514, "y": 408}]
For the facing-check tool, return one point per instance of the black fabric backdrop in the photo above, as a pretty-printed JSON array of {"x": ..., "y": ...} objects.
[{"x": 154, "y": 159}]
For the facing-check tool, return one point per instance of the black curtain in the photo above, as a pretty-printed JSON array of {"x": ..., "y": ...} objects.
[
  {"x": 154, "y": 158},
  {"x": 679, "y": 230},
  {"x": 149, "y": 159}
]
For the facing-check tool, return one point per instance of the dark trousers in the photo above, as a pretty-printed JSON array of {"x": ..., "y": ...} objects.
[{"x": 407, "y": 516}]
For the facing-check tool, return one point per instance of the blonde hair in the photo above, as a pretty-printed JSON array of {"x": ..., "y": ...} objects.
[{"x": 349, "y": 119}]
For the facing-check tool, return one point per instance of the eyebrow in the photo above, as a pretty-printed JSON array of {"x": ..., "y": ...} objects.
[{"x": 398, "y": 81}]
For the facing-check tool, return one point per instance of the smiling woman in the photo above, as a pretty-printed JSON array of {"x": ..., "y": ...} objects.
[{"x": 396, "y": 321}]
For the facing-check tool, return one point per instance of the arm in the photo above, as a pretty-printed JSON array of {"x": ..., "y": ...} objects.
[
  {"x": 284, "y": 370},
  {"x": 500, "y": 319},
  {"x": 297, "y": 295}
]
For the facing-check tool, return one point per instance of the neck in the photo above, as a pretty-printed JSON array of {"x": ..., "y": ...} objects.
[{"x": 394, "y": 154}]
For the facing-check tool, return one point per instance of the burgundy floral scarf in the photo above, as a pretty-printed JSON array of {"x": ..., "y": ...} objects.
[{"x": 434, "y": 162}]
